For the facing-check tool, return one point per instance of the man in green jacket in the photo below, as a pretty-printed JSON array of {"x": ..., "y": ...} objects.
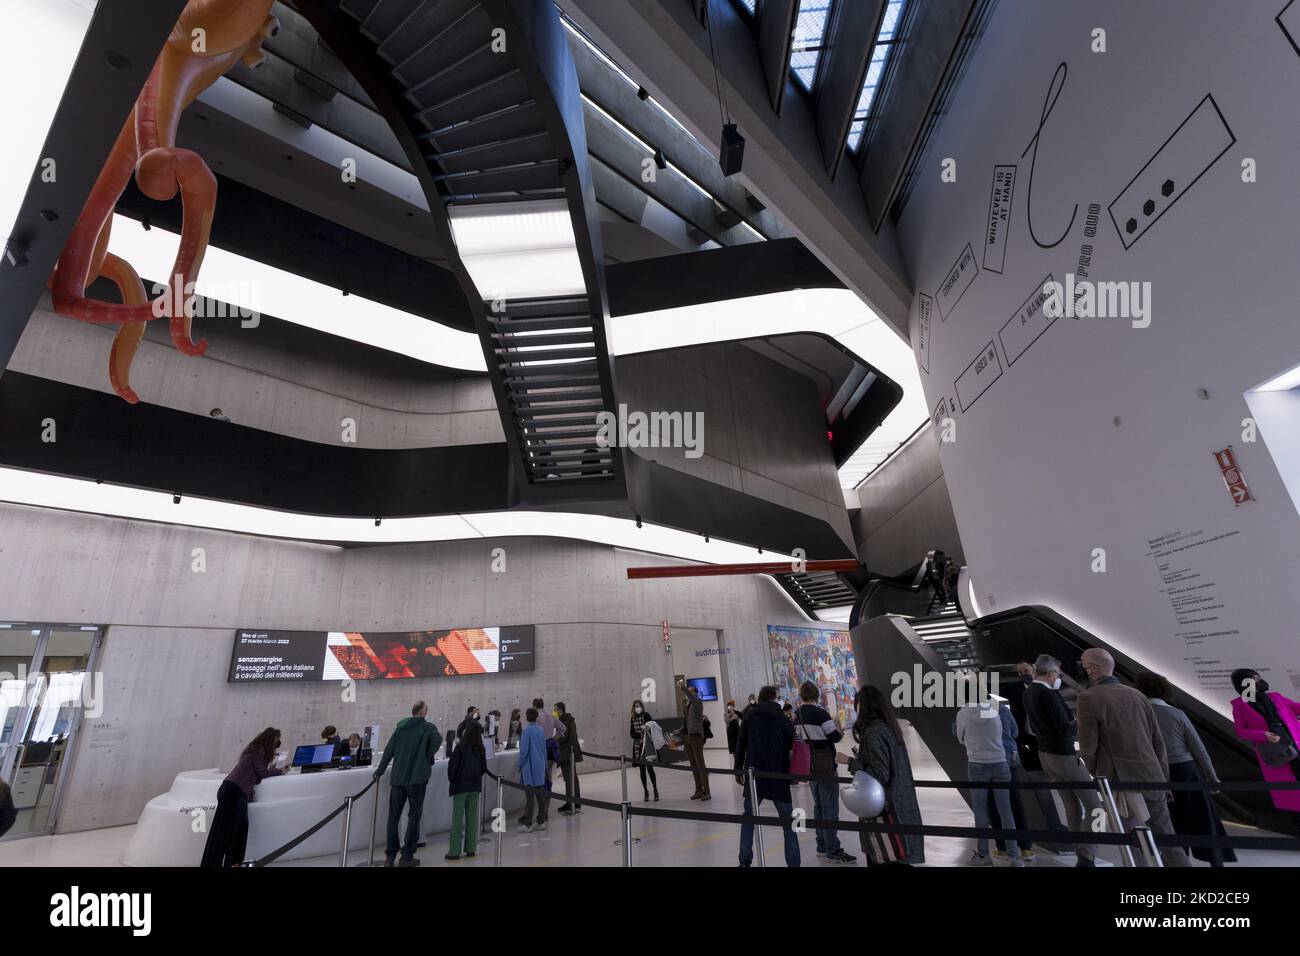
[{"x": 411, "y": 749}]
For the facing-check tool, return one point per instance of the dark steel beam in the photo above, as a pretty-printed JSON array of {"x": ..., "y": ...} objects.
[
  {"x": 924, "y": 53},
  {"x": 775, "y": 42},
  {"x": 119, "y": 50},
  {"x": 850, "y": 38}
]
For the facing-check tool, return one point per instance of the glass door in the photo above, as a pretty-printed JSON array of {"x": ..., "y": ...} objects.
[
  {"x": 55, "y": 690},
  {"x": 18, "y": 648}
]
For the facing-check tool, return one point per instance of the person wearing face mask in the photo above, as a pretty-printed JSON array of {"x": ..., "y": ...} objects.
[
  {"x": 1271, "y": 722},
  {"x": 640, "y": 717},
  {"x": 1050, "y": 723},
  {"x": 732, "y": 718},
  {"x": 471, "y": 717}
]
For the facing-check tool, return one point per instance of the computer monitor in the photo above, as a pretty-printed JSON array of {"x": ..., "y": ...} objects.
[
  {"x": 313, "y": 755},
  {"x": 707, "y": 687}
]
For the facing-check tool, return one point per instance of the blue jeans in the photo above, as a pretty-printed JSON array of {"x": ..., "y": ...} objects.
[
  {"x": 785, "y": 810},
  {"x": 398, "y": 797},
  {"x": 979, "y": 798},
  {"x": 826, "y": 806}
]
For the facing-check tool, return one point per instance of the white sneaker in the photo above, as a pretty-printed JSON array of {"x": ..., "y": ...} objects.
[
  {"x": 976, "y": 859},
  {"x": 540, "y": 826},
  {"x": 524, "y": 828},
  {"x": 1017, "y": 863}
]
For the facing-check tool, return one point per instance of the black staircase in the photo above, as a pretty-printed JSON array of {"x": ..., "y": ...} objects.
[{"x": 484, "y": 98}]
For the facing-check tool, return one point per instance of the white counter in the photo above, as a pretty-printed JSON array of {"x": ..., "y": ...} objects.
[{"x": 282, "y": 807}]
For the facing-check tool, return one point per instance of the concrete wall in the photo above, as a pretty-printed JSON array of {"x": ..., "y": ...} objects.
[
  {"x": 168, "y": 706},
  {"x": 764, "y": 429},
  {"x": 904, "y": 510},
  {"x": 277, "y": 377},
  {"x": 1083, "y": 472}
]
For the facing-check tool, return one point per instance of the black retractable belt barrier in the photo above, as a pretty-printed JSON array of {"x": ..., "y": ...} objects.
[
  {"x": 872, "y": 826},
  {"x": 281, "y": 851}
]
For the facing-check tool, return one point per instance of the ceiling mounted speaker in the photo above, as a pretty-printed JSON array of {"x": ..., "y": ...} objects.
[{"x": 732, "y": 154}]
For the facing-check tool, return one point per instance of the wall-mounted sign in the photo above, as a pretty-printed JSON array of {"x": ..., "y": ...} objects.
[
  {"x": 1232, "y": 476},
  {"x": 354, "y": 655}
]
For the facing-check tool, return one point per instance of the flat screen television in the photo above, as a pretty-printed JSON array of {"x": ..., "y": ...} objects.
[{"x": 707, "y": 687}]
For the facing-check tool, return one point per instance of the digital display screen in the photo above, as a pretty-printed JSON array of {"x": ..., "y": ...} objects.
[
  {"x": 380, "y": 655},
  {"x": 707, "y": 687},
  {"x": 313, "y": 755}
]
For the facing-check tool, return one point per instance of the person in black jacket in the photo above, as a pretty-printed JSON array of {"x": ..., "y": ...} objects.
[
  {"x": 464, "y": 782},
  {"x": 570, "y": 757},
  {"x": 471, "y": 717},
  {"x": 641, "y": 717},
  {"x": 766, "y": 738},
  {"x": 1050, "y": 723},
  {"x": 330, "y": 735},
  {"x": 8, "y": 813}
]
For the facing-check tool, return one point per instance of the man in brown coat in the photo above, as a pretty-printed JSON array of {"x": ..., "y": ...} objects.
[{"x": 1119, "y": 738}]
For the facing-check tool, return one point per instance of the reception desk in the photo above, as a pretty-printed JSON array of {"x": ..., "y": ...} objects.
[{"x": 283, "y": 807}]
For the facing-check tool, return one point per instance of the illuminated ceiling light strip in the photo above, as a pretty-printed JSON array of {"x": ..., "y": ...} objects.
[
  {"x": 257, "y": 287},
  {"x": 87, "y": 497},
  {"x": 1281, "y": 383},
  {"x": 38, "y": 49},
  {"x": 520, "y": 249}
]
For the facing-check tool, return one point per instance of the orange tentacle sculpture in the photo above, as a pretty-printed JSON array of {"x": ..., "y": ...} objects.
[{"x": 210, "y": 37}]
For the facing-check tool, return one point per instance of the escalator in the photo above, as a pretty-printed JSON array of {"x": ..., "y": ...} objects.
[{"x": 892, "y": 634}]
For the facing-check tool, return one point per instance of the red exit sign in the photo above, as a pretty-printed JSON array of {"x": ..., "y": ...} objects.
[{"x": 1232, "y": 476}]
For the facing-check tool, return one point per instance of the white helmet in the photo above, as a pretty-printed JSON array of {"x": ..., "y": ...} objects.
[{"x": 866, "y": 798}]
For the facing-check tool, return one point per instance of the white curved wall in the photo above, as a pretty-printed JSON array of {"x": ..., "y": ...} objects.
[
  {"x": 1094, "y": 436},
  {"x": 168, "y": 707}
]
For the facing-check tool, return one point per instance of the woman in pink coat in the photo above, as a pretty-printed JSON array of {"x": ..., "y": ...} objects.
[{"x": 1266, "y": 717}]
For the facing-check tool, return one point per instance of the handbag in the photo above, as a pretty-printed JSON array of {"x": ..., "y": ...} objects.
[
  {"x": 884, "y": 848},
  {"x": 801, "y": 753},
  {"x": 708, "y": 728},
  {"x": 1277, "y": 755}
]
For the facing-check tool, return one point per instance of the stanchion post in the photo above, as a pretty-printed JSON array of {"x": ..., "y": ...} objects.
[
  {"x": 374, "y": 825},
  {"x": 347, "y": 830},
  {"x": 1112, "y": 812},
  {"x": 752, "y": 783},
  {"x": 478, "y": 814},
  {"x": 499, "y": 816},
  {"x": 572, "y": 784},
  {"x": 626, "y": 813},
  {"x": 627, "y": 833},
  {"x": 1147, "y": 843}
]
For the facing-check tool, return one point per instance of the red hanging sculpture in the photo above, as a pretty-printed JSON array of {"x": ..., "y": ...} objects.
[{"x": 207, "y": 41}]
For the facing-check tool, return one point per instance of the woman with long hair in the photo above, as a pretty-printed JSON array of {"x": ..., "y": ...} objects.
[
  {"x": 1191, "y": 812},
  {"x": 228, "y": 836},
  {"x": 515, "y": 729},
  {"x": 880, "y": 752},
  {"x": 464, "y": 783},
  {"x": 641, "y": 717}
]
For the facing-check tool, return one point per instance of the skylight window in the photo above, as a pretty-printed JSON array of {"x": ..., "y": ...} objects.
[
  {"x": 809, "y": 40},
  {"x": 885, "y": 43}
]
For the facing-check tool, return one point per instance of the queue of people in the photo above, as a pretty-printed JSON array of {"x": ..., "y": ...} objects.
[{"x": 1102, "y": 729}]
